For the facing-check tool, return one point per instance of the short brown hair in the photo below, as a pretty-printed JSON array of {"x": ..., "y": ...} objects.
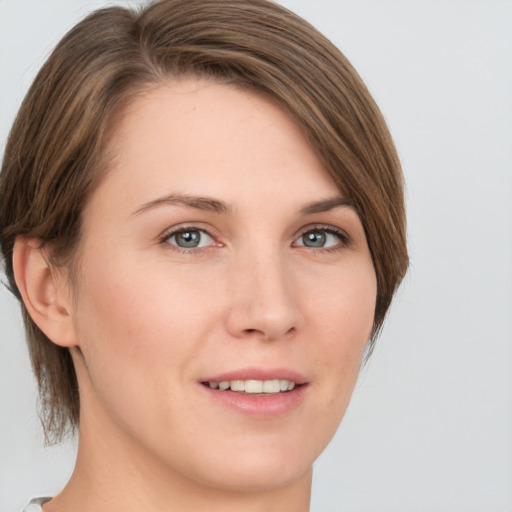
[{"x": 55, "y": 152}]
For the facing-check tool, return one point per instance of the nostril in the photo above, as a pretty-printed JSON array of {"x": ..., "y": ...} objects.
[{"x": 267, "y": 335}]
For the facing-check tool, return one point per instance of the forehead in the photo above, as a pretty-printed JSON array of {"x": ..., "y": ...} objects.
[{"x": 200, "y": 137}]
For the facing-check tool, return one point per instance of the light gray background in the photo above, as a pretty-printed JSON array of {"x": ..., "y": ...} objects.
[{"x": 430, "y": 425}]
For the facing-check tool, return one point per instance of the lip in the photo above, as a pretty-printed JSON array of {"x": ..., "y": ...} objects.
[
  {"x": 258, "y": 405},
  {"x": 259, "y": 374}
]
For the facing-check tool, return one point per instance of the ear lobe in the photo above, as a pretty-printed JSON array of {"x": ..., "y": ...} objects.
[{"x": 44, "y": 291}]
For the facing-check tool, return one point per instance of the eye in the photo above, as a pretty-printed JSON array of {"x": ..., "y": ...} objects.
[
  {"x": 189, "y": 238},
  {"x": 321, "y": 238}
]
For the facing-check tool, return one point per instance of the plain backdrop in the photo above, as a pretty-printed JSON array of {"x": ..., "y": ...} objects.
[{"x": 430, "y": 425}]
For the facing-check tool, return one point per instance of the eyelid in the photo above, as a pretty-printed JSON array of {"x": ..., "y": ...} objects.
[
  {"x": 175, "y": 230},
  {"x": 345, "y": 239}
]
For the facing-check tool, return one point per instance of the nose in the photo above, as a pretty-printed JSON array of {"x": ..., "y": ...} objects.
[{"x": 263, "y": 298}]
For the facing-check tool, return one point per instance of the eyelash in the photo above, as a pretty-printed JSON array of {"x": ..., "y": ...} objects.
[
  {"x": 344, "y": 239},
  {"x": 164, "y": 240}
]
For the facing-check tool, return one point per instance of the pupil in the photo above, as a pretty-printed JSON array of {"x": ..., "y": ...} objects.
[
  {"x": 314, "y": 239},
  {"x": 188, "y": 238}
]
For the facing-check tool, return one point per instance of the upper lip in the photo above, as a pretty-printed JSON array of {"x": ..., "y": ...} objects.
[{"x": 258, "y": 374}]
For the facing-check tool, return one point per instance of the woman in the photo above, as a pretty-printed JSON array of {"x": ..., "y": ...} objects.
[{"x": 202, "y": 216}]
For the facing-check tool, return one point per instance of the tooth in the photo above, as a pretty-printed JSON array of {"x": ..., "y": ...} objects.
[
  {"x": 237, "y": 385},
  {"x": 271, "y": 386},
  {"x": 253, "y": 386},
  {"x": 283, "y": 385}
]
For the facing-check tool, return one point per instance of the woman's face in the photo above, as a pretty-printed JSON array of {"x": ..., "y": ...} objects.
[{"x": 218, "y": 251}]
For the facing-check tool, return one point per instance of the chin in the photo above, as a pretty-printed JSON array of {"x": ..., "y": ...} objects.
[
  {"x": 259, "y": 477},
  {"x": 264, "y": 465}
]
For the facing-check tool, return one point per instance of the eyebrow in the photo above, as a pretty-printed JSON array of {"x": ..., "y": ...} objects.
[
  {"x": 327, "y": 204},
  {"x": 216, "y": 206},
  {"x": 199, "y": 202}
]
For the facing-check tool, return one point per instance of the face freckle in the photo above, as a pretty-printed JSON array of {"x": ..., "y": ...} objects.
[{"x": 243, "y": 296}]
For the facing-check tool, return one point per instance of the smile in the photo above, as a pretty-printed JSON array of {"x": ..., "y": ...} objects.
[
  {"x": 250, "y": 386},
  {"x": 258, "y": 392}
]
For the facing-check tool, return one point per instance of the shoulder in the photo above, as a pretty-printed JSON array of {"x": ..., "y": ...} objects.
[{"x": 35, "y": 505}]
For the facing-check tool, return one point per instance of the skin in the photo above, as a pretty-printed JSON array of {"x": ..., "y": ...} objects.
[{"x": 152, "y": 319}]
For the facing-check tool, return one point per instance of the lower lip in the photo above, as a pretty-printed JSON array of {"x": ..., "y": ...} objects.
[{"x": 262, "y": 406}]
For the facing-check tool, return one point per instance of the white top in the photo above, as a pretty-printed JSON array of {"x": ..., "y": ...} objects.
[{"x": 35, "y": 505}]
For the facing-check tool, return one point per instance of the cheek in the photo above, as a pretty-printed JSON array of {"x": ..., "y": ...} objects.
[
  {"x": 138, "y": 334},
  {"x": 341, "y": 303},
  {"x": 340, "y": 319},
  {"x": 135, "y": 313},
  {"x": 143, "y": 327}
]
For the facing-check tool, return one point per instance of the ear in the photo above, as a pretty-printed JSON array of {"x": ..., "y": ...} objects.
[{"x": 44, "y": 290}]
